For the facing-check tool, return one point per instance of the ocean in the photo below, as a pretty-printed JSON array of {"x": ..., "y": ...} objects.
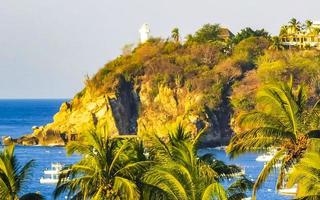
[{"x": 18, "y": 116}]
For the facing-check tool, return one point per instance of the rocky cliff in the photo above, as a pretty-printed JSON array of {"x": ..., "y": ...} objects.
[{"x": 161, "y": 83}]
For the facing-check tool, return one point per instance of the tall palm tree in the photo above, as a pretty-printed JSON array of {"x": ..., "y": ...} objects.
[
  {"x": 282, "y": 121},
  {"x": 295, "y": 24},
  {"x": 306, "y": 173},
  {"x": 109, "y": 168},
  {"x": 13, "y": 176},
  {"x": 175, "y": 34},
  {"x": 180, "y": 173},
  {"x": 276, "y": 44},
  {"x": 308, "y": 24}
]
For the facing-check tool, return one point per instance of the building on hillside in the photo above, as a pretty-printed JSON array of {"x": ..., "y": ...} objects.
[
  {"x": 305, "y": 37},
  {"x": 144, "y": 33}
]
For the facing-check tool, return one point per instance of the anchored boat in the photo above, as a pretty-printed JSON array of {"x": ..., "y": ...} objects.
[
  {"x": 267, "y": 156},
  {"x": 51, "y": 176},
  {"x": 288, "y": 191}
]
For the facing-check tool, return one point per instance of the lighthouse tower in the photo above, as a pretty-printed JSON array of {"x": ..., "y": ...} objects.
[{"x": 144, "y": 33}]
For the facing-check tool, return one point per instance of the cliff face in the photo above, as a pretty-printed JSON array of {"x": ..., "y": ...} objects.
[
  {"x": 151, "y": 91},
  {"x": 129, "y": 111}
]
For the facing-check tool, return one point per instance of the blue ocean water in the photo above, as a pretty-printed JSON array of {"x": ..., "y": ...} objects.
[
  {"x": 16, "y": 119},
  {"x": 18, "y": 116}
]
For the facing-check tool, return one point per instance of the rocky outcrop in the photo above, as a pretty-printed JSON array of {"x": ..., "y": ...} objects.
[
  {"x": 132, "y": 111},
  {"x": 159, "y": 85},
  {"x": 124, "y": 108}
]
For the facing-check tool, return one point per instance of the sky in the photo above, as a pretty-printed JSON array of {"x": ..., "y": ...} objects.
[{"x": 47, "y": 47}]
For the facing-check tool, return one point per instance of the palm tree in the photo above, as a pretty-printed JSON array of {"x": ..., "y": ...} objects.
[
  {"x": 109, "y": 168},
  {"x": 276, "y": 44},
  {"x": 283, "y": 121},
  {"x": 308, "y": 24},
  {"x": 283, "y": 30},
  {"x": 306, "y": 173},
  {"x": 295, "y": 24},
  {"x": 180, "y": 173},
  {"x": 237, "y": 190},
  {"x": 175, "y": 35},
  {"x": 13, "y": 176},
  {"x": 316, "y": 31}
]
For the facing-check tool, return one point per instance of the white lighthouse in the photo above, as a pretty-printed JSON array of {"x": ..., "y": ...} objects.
[{"x": 144, "y": 33}]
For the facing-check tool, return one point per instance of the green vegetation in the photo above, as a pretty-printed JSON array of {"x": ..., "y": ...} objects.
[
  {"x": 175, "y": 35},
  {"x": 282, "y": 120},
  {"x": 271, "y": 93},
  {"x": 266, "y": 112},
  {"x": 306, "y": 173},
  {"x": 208, "y": 33},
  {"x": 13, "y": 177},
  {"x": 179, "y": 173},
  {"x": 205, "y": 63},
  {"x": 247, "y": 33},
  {"x": 122, "y": 168},
  {"x": 112, "y": 166}
]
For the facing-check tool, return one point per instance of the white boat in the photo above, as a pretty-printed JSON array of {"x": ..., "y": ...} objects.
[
  {"x": 288, "y": 191},
  {"x": 284, "y": 190},
  {"x": 51, "y": 176},
  {"x": 266, "y": 157},
  {"x": 223, "y": 148}
]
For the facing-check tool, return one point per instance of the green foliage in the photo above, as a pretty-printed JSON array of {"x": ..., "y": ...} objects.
[
  {"x": 204, "y": 65},
  {"x": 122, "y": 168},
  {"x": 276, "y": 66},
  {"x": 207, "y": 33},
  {"x": 251, "y": 48},
  {"x": 170, "y": 47},
  {"x": 111, "y": 165},
  {"x": 13, "y": 176},
  {"x": 276, "y": 44},
  {"x": 295, "y": 24},
  {"x": 175, "y": 35},
  {"x": 281, "y": 120},
  {"x": 247, "y": 33},
  {"x": 304, "y": 66},
  {"x": 181, "y": 174},
  {"x": 306, "y": 173}
]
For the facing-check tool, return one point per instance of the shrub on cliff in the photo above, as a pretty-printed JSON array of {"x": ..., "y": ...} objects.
[{"x": 274, "y": 66}]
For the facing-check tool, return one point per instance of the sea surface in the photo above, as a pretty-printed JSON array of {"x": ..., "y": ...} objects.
[{"x": 18, "y": 116}]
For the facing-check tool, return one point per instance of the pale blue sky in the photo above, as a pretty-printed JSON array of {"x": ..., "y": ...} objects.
[{"x": 48, "y": 46}]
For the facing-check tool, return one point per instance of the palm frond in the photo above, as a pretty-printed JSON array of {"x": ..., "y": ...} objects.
[
  {"x": 128, "y": 189},
  {"x": 266, "y": 170},
  {"x": 214, "y": 191},
  {"x": 23, "y": 174},
  {"x": 306, "y": 173},
  {"x": 165, "y": 180}
]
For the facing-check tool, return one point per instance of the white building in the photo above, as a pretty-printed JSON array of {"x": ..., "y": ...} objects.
[
  {"x": 306, "y": 37},
  {"x": 144, "y": 33}
]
